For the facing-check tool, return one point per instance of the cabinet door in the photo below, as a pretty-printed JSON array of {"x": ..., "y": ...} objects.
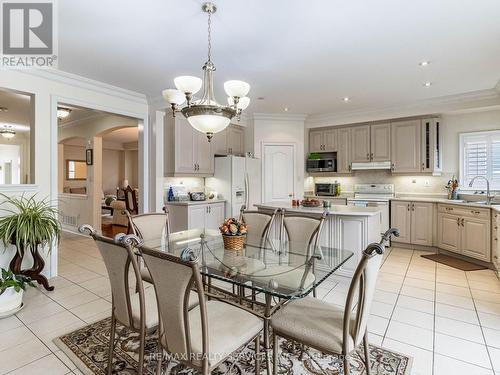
[
  {"x": 196, "y": 216},
  {"x": 360, "y": 140},
  {"x": 380, "y": 142},
  {"x": 344, "y": 150},
  {"x": 215, "y": 215},
  {"x": 449, "y": 232},
  {"x": 476, "y": 238},
  {"x": 235, "y": 140},
  {"x": 330, "y": 140},
  {"x": 184, "y": 147},
  {"x": 315, "y": 141},
  {"x": 204, "y": 156},
  {"x": 219, "y": 143},
  {"x": 405, "y": 146},
  {"x": 421, "y": 223},
  {"x": 401, "y": 219}
]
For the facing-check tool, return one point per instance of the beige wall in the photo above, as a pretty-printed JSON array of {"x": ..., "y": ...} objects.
[{"x": 112, "y": 171}]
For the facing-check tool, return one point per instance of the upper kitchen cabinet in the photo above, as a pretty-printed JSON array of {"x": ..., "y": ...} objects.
[
  {"x": 406, "y": 146},
  {"x": 323, "y": 140},
  {"x": 187, "y": 151},
  {"x": 432, "y": 156},
  {"x": 360, "y": 139},
  {"x": 344, "y": 150},
  {"x": 230, "y": 141},
  {"x": 371, "y": 143}
]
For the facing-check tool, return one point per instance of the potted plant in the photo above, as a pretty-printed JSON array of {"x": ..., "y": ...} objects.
[
  {"x": 28, "y": 224},
  {"x": 11, "y": 292},
  {"x": 233, "y": 233}
]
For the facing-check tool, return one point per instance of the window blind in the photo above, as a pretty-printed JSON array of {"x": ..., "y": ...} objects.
[{"x": 480, "y": 157}]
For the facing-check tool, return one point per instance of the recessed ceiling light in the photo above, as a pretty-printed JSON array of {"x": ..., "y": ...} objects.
[
  {"x": 62, "y": 112},
  {"x": 424, "y": 63},
  {"x": 285, "y": 109},
  {"x": 428, "y": 84},
  {"x": 346, "y": 99}
]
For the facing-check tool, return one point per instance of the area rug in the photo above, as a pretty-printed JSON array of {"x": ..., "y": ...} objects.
[
  {"x": 450, "y": 261},
  {"x": 87, "y": 347}
]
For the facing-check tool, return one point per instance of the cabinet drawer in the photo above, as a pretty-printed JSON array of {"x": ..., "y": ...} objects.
[{"x": 481, "y": 213}]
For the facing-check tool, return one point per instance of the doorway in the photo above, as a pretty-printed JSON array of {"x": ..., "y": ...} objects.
[{"x": 278, "y": 162}]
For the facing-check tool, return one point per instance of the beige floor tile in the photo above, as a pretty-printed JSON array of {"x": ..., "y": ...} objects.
[
  {"x": 60, "y": 293},
  {"x": 451, "y": 299},
  {"x": 65, "y": 359},
  {"x": 416, "y": 304},
  {"x": 419, "y": 274},
  {"x": 53, "y": 322},
  {"x": 92, "y": 308},
  {"x": 15, "y": 336},
  {"x": 47, "y": 365},
  {"x": 388, "y": 286},
  {"x": 84, "y": 297},
  {"x": 23, "y": 354},
  {"x": 457, "y": 281},
  {"x": 377, "y": 325},
  {"x": 462, "y": 350},
  {"x": 457, "y": 313},
  {"x": 486, "y": 296},
  {"x": 413, "y": 317},
  {"x": 453, "y": 289},
  {"x": 459, "y": 329},
  {"x": 382, "y": 309},
  {"x": 489, "y": 320},
  {"x": 419, "y": 283},
  {"x": 490, "y": 285},
  {"x": 446, "y": 365},
  {"x": 9, "y": 323},
  {"x": 374, "y": 339},
  {"x": 487, "y": 307},
  {"x": 412, "y": 335},
  {"x": 416, "y": 292},
  {"x": 422, "y": 359},
  {"x": 492, "y": 337},
  {"x": 385, "y": 297},
  {"x": 32, "y": 313},
  {"x": 495, "y": 358}
]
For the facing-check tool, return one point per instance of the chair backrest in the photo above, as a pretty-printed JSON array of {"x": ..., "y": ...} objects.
[
  {"x": 131, "y": 200},
  {"x": 173, "y": 278},
  {"x": 118, "y": 256},
  {"x": 258, "y": 223},
  {"x": 363, "y": 285},
  {"x": 303, "y": 232},
  {"x": 150, "y": 226}
]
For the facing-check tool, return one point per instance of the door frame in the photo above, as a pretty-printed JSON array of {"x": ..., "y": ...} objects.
[{"x": 263, "y": 145}]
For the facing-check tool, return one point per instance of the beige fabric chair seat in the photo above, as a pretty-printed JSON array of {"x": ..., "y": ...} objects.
[
  {"x": 150, "y": 305},
  {"x": 119, "y": 218},
  {"x": 313, "y": 322},
  {"x": 229, "y": 328},
  {"x": 286, "y": 276}
]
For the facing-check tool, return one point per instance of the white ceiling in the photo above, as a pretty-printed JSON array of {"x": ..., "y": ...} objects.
[
  {"x": 124, "y": 135},
  {"x": 18, "y": 115},
  {"x": 304, "y": 55}
]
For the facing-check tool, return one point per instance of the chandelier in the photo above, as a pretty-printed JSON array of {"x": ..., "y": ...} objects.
[
  {"x": 7, "y": 132},
  {"x": 206, "y": 114}
]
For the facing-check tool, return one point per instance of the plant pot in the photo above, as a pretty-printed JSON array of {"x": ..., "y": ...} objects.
[
  {"x": 10, "y": 300},
  {"x": 233, "y": 243}
]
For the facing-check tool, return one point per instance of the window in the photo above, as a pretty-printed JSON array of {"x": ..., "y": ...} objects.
[{"x": 480, "y": 156}]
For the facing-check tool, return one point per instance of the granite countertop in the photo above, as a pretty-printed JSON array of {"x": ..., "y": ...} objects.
[
  {"x": 193, "y": 203},
  {"x": 445, "y": 201},
  {"x": 334, "y": 210}
]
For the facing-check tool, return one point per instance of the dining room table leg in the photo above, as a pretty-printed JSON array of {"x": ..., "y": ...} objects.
[{"x": 267, "y": 341}]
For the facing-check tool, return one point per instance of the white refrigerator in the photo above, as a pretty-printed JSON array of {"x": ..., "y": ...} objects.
[{"x": 238, "y": 180}]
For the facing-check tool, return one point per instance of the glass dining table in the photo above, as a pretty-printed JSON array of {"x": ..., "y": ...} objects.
[{"x": 274, "y": 271}]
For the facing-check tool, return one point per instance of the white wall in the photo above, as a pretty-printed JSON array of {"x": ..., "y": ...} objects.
[{"x": 48, "y": 88}]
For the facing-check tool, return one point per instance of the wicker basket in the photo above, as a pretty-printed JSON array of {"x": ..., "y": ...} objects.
[{"x": 233, "y": 243}]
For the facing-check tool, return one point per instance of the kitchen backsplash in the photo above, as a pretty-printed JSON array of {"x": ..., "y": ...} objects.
[
  {"x": 191, "y": 183},
  {"x": 403, "y": 184}
]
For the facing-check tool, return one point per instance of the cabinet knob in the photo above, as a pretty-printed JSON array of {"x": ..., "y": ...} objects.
[
  {"x": 392, "y": 167},
  {"x": 463, "y": 222},
  {"x": 368, "y": 156},
  {"x": 458, "y": 221}
]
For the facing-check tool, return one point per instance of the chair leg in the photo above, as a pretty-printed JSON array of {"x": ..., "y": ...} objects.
[
  {"x": 257, "y": 355},
  {"x": 346, "y": 365},
  {"x": 275, "y": 354},
  {"x": 367, "y": 353},
  {"x": 111, "y": 343},
  {"x": 141, "y": 351}
]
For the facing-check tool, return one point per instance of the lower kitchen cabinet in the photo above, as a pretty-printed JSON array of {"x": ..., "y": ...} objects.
[
  {"x": 448, "y": 237},
  {"x": 475, "y": 238},
  {"x": 495, "y": 241},
  {"x": 414, "y": 221},
  {"x": 199, "y": 215}
]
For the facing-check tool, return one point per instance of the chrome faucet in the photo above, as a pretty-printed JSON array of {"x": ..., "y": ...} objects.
[{"x": 488, "y": 196}]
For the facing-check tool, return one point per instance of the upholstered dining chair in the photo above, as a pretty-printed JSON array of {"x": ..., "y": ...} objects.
[
  {"x": 136, "y": 311},
  {"x": 325, "y": 326},
  {"x": 206, "y": 335},
  {"x": 131, "y": 200}
]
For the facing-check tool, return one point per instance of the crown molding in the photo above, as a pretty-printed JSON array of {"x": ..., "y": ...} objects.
[
  {"x": 497, "y": 86},
  {"x": 72, "y": 123},
  {"x": 71, "y": 79},
  {"x": 279, "y": 117},
  {"x": 450, "y": 103}
]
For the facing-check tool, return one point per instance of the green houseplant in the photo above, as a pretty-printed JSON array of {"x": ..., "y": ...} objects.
[
  {"x": 11, "y": 292},
  {"x": 28, "y": 224}
]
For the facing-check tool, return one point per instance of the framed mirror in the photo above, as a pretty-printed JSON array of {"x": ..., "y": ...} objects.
[{"x": 76, "y": 169}]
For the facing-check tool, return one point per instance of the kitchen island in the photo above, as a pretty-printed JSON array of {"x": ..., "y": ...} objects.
[{"x": 346, "y": 227}]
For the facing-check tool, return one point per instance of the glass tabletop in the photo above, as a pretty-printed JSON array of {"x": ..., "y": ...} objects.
[{"x": 282, "y": 268}]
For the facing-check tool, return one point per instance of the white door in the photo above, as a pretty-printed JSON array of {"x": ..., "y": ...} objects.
[
  {"x": 196, "y": 216},
  {"x": 421, "y": 223},
  {"x": 400, "y": 218},
  {"x": 279, "y": 172}
]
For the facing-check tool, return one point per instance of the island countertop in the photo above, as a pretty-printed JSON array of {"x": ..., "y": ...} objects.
[{"x": 334, "y": 210}]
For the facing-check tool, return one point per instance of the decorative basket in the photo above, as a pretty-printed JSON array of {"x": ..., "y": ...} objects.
[{"x": 233, "y": 243}]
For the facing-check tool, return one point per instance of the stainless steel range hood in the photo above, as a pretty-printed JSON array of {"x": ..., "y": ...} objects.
[{"x": 371, "y": 165}]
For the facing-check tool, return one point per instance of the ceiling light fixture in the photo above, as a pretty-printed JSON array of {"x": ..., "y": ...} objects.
[
  {"x": 63, "y": 113},
  {"x": 4, "y": 109},
  {"x": 424, "y": 63},
  {"x": 7, "y": 132},
  {"x": 428, "y": 84},
  {"x": 206, "y": 114},
  {"x": 285, "y": 109},
  {"x": 346, "y": 99}
]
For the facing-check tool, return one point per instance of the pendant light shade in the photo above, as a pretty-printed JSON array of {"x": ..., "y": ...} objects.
[
  {"x": 243, "y": 103},
  {"x": 188, "y": 84},
  {"x": 174, "y": 96},
  {"x": 236, "y": 88},
  {"x": 209, "y": 123}
]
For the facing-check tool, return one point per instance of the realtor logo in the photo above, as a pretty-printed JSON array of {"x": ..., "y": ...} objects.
[{"x": 28, "y": 34}]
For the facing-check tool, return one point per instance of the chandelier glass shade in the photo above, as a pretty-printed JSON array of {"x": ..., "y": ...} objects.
[
  {"x": 7, "y": 133},
  {"x": 206, "y": 114}
]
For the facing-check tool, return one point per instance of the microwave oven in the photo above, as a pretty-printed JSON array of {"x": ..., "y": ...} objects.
[{"x": 327, "y": 162}]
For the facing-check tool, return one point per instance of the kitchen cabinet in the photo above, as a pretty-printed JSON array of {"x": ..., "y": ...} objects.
[
  {"x": 189, "y": 215},
  {"x": 187, "y": 151},
  {"x": 380, "y": 142},
  {"x": 465, "y": 231},
  {"x": 495, "y": 243},
  {"x": 360, "y": 141},
  {"x": 230, "y": 141},
  {"x": 431, "y": 154},
  {"x": 323, "y": 140},
  {"x": 401, "y": 219},
  {"x": 219, "y": 143},
  {"x": 344, "y": 150},
  {"x": 406, "y": 146},
  {"x": 414, "y": 221}
]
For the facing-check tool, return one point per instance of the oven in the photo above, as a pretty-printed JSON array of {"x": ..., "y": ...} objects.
[
  {"x": 325, "y": 190},
  {"x": 324, "y": 162}
]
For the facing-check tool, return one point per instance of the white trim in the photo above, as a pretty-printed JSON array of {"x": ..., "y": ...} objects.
[
  {"x": 279, "y": 117},
  {"x": 263, "y": 144},
  {"x": 18, "y": 188},
  {"x": 497, "y": 86},
  {"x": 71, "y": 79}
]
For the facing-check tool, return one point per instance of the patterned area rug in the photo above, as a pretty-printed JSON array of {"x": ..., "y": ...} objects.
[{"x": 87, "y": 347}]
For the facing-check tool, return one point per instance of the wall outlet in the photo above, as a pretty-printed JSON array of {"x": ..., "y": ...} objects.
[
  {"x": 414, "y": 181},
  {"x": 427, "y": 183}
]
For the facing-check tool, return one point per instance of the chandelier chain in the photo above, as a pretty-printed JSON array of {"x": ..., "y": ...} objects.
[{"x": 209, "y": 36}]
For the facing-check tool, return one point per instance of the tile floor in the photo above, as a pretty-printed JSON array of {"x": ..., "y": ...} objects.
[{"x": 448, "y": 320}]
